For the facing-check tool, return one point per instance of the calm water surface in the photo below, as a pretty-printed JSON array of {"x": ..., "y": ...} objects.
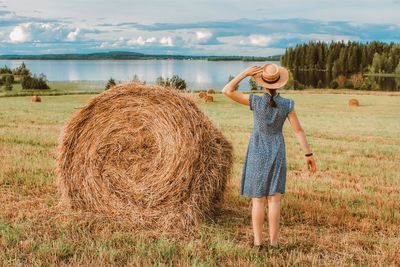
[{"x": 198, "y": 74}]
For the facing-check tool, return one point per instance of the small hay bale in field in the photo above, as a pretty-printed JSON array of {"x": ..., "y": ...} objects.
[
  {"x": 146, "y": 154},
  {"x": 210, "y": 91},
  {"x": 354, "y": 103},
  {"x": 36, "y": 98},
  {"x": 209, "y": 98},
  {"x": 202, "y": 94}
]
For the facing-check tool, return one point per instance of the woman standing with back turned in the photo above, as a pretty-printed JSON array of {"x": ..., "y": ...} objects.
[{"x": 264, "y": 170}]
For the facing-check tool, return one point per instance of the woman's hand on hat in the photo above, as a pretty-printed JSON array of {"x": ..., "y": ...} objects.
[{"x": 252, "y": 70}]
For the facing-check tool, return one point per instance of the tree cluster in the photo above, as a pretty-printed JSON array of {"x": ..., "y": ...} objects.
[
  {"x": 342, "y": 58},
  {"x": 25, "y": 76},
  {"x": 175, "y": 81},
  {"x": 34, "y": 82},
  {"x": 7, "y": 80},
  {"x": 5, "y": 70},
  {"x": 22, "y": 70}
]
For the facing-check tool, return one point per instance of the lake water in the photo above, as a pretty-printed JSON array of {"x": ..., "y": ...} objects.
[{"x": 198, "y": 74}]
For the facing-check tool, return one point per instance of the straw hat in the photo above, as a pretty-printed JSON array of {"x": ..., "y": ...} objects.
[{"x": 272, "y": 76}]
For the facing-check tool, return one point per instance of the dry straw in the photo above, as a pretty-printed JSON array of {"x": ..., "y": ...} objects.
[
  {"x": 208, "y": 98},
  {"x": 36, "y": 98},
  {"x": 354, "y": 102},
  {"x": 146, "y": 154},
  {"x": 202, "y": 94}
]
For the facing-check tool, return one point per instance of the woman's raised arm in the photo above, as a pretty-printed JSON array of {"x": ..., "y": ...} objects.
[{"x": 230, "y": 88}]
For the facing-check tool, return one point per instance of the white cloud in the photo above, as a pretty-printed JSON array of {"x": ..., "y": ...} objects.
[
  {"x": 72, "y": 36},
  {"x": 167, "y": 41},
  {"x": 203, "y": 36},
  {"x": 151, "y": 40},
  {"x": 19, "y": 34},
  {"x": 257, "y": 40},
  {"x": 141, "y": 41},
  {"x": 260, "y": 40},
  {"x": 43, "y": 32}
]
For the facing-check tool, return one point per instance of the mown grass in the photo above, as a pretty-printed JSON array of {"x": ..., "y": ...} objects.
[
  {"x": 94, "y": 87},
  {"x": 58, "y": 88},
  {"x": 345, "y": 214}
]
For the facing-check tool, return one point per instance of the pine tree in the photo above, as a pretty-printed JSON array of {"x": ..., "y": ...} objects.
[
  {"x": 376, "y": 64},
  {"x": 253, "y": 85},
  {"x": 177, "y": 82},
  {"x": 397, "y": 70},
  {"x": 160, "y": 81},
  {"x": 110, "y": 83}
]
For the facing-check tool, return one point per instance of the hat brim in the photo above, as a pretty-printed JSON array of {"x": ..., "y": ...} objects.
[{"x": 283, "y": 79}]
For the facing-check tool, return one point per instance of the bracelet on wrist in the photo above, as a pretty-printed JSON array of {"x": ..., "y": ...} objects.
[{"x": 309, "y": 154}]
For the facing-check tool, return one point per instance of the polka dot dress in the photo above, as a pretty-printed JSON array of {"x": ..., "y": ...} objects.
[{"x": 264, "y": 170}]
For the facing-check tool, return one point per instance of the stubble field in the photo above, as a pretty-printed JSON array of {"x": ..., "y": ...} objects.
[{"x": 348, "y": 213}]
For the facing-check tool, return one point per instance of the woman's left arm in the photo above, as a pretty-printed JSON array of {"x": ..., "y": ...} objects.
[
  {"x": 230, "y": 88},
  {"x": 301, "y": 137}
]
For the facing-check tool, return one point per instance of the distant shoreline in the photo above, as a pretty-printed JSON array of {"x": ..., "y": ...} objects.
[
  {"x": 85, "y": 87},
  {"x": 122, "y": 55}
]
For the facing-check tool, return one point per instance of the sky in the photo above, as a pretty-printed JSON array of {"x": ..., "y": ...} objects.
[{"x": 190, "y": 27}]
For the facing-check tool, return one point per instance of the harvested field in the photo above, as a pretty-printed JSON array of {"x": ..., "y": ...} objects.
[{"x": 345, "y": 214}]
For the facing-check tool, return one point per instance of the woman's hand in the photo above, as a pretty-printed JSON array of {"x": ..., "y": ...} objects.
[
  {"x": 252, "y": 71},
  {"x": 230, "y": 88},
  {"x": 311, "y": 164}
]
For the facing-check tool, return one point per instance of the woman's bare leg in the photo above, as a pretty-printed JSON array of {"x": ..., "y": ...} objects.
[
  {"x": 257, "y": 217},
  {"x": 274, "y": 206}
]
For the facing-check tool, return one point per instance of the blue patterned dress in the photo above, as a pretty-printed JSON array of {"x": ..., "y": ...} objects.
[{"x": 264, "y": 170}]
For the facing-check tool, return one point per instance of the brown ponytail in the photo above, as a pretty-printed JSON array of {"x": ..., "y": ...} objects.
[{"x": 272, "y": 102}]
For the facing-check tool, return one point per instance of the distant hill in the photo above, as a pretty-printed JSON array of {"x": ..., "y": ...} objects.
[{"x": 122, "y": 55}]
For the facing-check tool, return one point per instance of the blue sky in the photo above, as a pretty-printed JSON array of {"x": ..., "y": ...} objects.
[{"x": 190, "y": 27}]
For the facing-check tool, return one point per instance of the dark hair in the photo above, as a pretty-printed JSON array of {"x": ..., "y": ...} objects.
[{"x": 272, "y": 102}]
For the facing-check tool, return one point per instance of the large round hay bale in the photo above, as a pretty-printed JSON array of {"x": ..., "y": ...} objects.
[
  {"x": 210, "y": 91},
  {"x": 36, "y": 98},
  {"x": 209, "y": 98},
  {"x": 202, "y": 94},
  {"x": 145, "y": 153},
  {"x": 354, "y": 103}
]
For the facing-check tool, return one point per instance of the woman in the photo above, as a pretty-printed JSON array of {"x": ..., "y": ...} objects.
[{"x": 264, "y": 171}]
